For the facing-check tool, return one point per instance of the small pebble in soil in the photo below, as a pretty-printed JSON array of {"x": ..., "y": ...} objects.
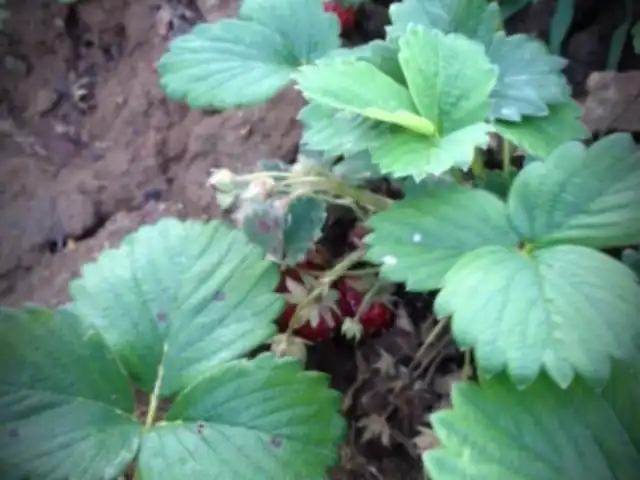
[{"x": 152, "y": 195}]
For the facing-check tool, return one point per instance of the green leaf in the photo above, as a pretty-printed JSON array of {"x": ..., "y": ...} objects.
[
  {"x": 411, "y": 188},
  {"x": 549, "y": 432},
  {"x": 419, "y": 239},
  {"x": 226, "y": 64},
  {"x": 303, "y": 227},
  {"x": 405, "y": 153},
  {"x": 450, "y": 94},
  {"x": 383, "y": 54},
  {"x": 540, "y": 136},
  {"x": 239, "y": 62},
  {"x": 261, "y": 418},
  {"x": 449, "y": 77},
  {"x": 474, "y": 19},
  {"x": 67, "y": 407},
  {"x": 631, "y": 258},
  {"x": 285, "y": 230},
  {"x": 338, "y": 132},
  {"x": 339, "y": 84},
  {"x": 588, "y": 196},
  {"x": 497, "y": 182},
  {"x": 177, "y": 298},
  {"x": 560, "y": 24},
  {"x": 619, "y": 38},
  {"x": 635, "y": 34},
  {"x": 511, "y": 7},
  {"x": 566, "y": 310},
  {"x": 310, "y": 32},
  {"x": 357, "y": 169},
  {"x": 530, "y": 78}
]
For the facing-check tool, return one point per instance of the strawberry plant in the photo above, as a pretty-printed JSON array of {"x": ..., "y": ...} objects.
[
  {"x": 345, "y": 10},
  {"x": 168, "y": 315},
  {"x": 561, "y": 22},
  {"x": 516, "y": 254}
]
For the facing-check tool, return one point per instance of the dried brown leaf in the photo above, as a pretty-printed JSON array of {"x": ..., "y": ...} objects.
[{"x": 375, "y": 428}]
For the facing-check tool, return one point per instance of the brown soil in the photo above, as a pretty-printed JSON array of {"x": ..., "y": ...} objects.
[
  {"x": 89, "y": 139},
  {"x": 91, "y": 149}
]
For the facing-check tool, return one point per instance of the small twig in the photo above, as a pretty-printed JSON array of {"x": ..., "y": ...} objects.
[
  {"x": 430, "y": 339},
  {"x": 433, "y": 355}
]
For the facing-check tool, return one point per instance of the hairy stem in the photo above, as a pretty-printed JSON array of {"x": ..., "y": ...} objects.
[
  {"x": 154, "y": 399},
  {"x": 467, "y": 368},
  {"x": 501, "y": 21},
  {"x": 457, "y": 175},
  {"x": 155, "y": 395},
  {"x": 373, "y": 201},
  {"x": 366, "y": 300},
  {"x": 506, "y": 155},
  {"x": 332, "y": 189},
  {"x": 477, "y": 166}
]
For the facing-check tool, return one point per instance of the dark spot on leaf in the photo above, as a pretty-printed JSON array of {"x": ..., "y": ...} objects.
[
  {"x": 13, "y": 433},
  {"x": 161, "y": 316},
  {"x": 219, "y": 296},
  {"x": 264, "y": 226},
  {"x": 199, "y": 428},
  {"x": 276, "y": 442}
]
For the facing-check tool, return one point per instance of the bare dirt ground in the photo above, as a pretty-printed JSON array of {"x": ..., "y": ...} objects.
[
  {"x": 90, "y": 149},
  {"x": 90, "y": 144}
]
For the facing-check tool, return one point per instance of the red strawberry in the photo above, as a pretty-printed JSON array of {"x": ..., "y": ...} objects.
[
  {"x": 350, "y": 298},
  {"x": 356, "y": 236},
  {"x": 322, "y": 331},
  {"x": 377, "y": 317},
  {"x": 346, "y": 15},
  {"x": 323, "y": 318}
]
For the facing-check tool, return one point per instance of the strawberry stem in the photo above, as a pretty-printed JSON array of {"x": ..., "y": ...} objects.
[
  {"x": 361, "y": 272},
  {"x": 367, "y": 299},
  {"x": 325, "y": 185},
  {"x": 506, "y": 156},
  {"x": 325, "y": 281}
]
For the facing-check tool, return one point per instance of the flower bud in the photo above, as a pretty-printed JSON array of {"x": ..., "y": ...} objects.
[
  {"x": 259, "y": 189},
  {"x": 352, "y": 329},
  {"x": 285, "y": 345},
  {"x": 222, "y": 179}
]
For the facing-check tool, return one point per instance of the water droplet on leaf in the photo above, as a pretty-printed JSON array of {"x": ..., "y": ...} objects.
[{"x": 389, "y": 260}]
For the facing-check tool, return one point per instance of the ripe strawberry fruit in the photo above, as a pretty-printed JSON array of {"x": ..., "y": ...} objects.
[
  {"x": 356, "y": 236},
  {"x": 377, "y": 316},
  {"x": 346, "y": 15},
  {"x": 323, "y": 318}
]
